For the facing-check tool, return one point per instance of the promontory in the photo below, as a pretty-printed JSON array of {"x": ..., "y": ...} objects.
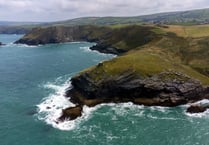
[{"x": 162, "y": 65}]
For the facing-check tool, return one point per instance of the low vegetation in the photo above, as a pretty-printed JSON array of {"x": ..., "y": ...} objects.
[
  {"x": 169, "y": 49},
  {"x": 150, "y": 49}
]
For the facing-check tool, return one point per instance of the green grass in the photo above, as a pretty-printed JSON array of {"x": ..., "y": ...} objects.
[
  {"x": 152, "y": 49},
  {"x": 195, "y": 31},
  {"x": 143, "y": 63}
]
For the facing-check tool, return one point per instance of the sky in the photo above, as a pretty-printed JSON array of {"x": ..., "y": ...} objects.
[{"x": 55, "y": 10}]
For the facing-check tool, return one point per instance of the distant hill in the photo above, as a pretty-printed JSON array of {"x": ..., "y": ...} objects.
[
  {"x": 7, "y": 27},
  {"x": 10, "y": 23},
  {"x": 191, "y": 17}
]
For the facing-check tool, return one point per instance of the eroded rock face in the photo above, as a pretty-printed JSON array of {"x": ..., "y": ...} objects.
[
  {"x": 164, "y": 89},
  {"x": 156, "y": 90}
]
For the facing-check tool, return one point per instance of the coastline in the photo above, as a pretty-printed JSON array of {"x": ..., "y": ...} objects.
[{"x": 169, "y": 84}]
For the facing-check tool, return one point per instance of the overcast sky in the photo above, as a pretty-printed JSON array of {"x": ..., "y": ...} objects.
[{"x": 53, "y": 10}]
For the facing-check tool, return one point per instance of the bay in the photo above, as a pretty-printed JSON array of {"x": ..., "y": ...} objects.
[{"x": 34, "y": 77}]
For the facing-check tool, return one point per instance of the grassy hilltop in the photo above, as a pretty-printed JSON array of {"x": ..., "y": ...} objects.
[
  {"x": 170, "y": 48},
  {"x": 150, "y": 49}
]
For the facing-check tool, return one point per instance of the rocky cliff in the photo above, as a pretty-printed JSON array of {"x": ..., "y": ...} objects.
[
  {"x": 155, "y": 66},
  {"x": 108, "y": 40},
  {"x": 164, "y": 89}
]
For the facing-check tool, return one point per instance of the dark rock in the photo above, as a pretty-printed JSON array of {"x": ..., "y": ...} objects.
[
  {"x": 48, "y": 107},
  {"x": 107, "y": 49},
  {"x": 159, "y": 90},
  {"x": 71, "y": 113},
  {"x": 196, "y": 109},
  {"x": 167, "y": 92}
]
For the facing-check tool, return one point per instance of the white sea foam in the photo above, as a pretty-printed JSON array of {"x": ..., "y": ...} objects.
[
  {"x": 204, "y": 101},
  {"x": 28, "y": 46},
  {"x": 159, "y": 108},
  {"x": 87, "y": 49},
  {"x": 198, "y": 115},
  {"x": 50, "y": 109}
]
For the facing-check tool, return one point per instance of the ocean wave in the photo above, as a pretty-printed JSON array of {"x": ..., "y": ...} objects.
[
  {"x": 198, "y": 115},
  {"x": 159, "y": 108},
  {"x": 50, "y": 108},
  {"x": 28, "y": 46},
  {"x": 20, "y": 45}
]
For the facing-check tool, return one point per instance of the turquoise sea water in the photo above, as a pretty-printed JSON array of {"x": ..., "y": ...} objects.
[{"x": 33, "y": 79}]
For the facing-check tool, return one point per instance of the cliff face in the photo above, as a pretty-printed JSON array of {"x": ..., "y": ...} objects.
[
  {"x": 49, "y": 35},
  {"x": 108, "y": 40},
  {"x": 163, "y": 89}
]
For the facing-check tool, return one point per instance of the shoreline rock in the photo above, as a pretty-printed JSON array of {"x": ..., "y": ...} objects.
[
  {"x": 151, "y": 91},
  {"x": 196, "y": 109},
  {"x": 163, "y": 89},
  {"x": 107, "y": 49},
  {"x": 71, "y": 113}
]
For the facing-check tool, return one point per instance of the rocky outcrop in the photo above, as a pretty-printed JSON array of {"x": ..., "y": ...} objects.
[
  {"x": 49, "y": 35},
  {"x": 71, "y": 113},
  {"x": 197, "y": 109},
  {"x": 107, "y": 49},
  {"x": 201, "y": 106},
  {"x": 164, "y": 89},
  {"x": 115, "y": 41}
]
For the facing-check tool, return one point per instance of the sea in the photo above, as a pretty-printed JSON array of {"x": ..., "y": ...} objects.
[{"x": 33, "y": 81}]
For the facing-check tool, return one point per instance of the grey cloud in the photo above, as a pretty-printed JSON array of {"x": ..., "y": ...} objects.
[{"x": 52, "y": 10}]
